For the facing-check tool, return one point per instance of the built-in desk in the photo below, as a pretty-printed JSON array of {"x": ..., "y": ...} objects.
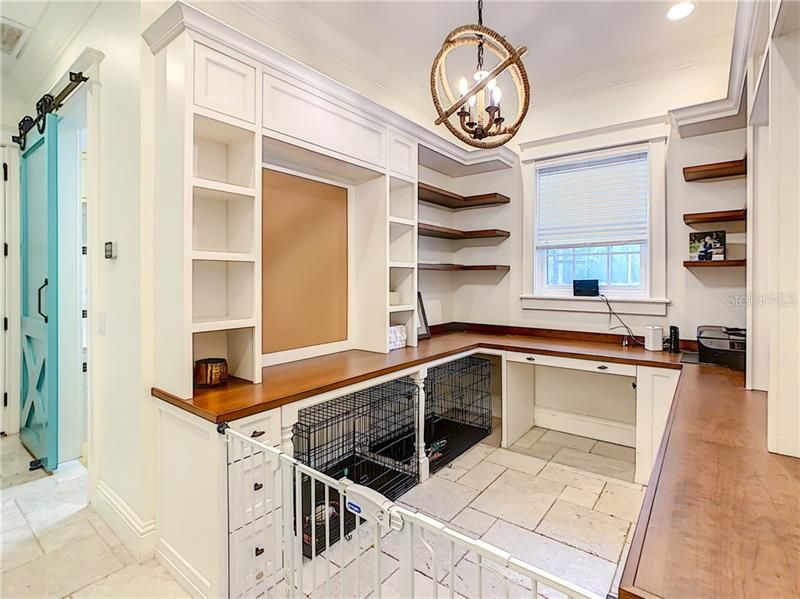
[{"x": 721, "y": 516}]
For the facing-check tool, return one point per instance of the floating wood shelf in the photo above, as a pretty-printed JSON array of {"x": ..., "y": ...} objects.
[
  {"x": 447, "y": 199},
  {"x": 426, "y": 230},
  {"x": 717, "y": 170},
  {"x": 720, "y": 216},
  {"x": 713, "y": 263},
  {"x": 495, "y": 267}
]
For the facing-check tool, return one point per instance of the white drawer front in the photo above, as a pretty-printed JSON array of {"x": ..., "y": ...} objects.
[
  {"x": 265, "y": 427},
  {"x": 573, "y": 363},
  {"x": 224, "y": 84},
  {"x": 402, "y": 155},
  {"x": 296, "y": 112},
  {"x": 254, "y": 561},
  {"x": 254, "y": 490}
]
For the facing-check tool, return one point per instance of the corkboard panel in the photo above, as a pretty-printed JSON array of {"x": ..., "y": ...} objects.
[{"x": 304, "y": 262}]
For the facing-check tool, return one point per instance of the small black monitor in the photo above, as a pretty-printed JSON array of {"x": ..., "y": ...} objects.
[{"x": 585, "y": 287}]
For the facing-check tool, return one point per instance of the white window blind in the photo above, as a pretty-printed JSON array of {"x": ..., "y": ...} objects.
[{"x": 593, "y": 202}]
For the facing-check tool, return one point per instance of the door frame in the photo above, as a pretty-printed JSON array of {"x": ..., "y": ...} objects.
[{"x": 88, "y": 62}]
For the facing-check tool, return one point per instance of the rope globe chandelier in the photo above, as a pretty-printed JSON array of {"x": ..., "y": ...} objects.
[{"x": 475, "y": 115}]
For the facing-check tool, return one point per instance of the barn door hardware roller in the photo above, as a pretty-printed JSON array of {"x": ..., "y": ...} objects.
[{"x": 47, "y": 104}]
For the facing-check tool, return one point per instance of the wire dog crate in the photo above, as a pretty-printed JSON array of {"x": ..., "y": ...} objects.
[
  {"x": 367, "y": 437},
  {"x": 458, "y": 408}
]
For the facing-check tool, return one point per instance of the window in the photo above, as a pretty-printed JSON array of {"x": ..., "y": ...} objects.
[{"x": 592, "y": 222}]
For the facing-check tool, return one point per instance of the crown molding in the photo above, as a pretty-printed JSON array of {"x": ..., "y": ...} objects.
[
  {"x": 694, "y": 120},
  {"x": 181, "y": 17}
]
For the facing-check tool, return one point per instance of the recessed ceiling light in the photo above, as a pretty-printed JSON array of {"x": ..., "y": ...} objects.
[{"x": 681, "y": 10}]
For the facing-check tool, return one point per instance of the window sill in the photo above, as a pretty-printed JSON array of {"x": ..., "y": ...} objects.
[{"x": 563, "y": 303}]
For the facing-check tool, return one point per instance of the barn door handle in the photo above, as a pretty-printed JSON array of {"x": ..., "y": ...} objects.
[{"x": 39, "y": 301}]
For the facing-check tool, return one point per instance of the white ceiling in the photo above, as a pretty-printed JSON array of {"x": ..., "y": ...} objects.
[{"x": 572, "y": 46}]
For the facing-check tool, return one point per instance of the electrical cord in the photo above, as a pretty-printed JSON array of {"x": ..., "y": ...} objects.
[{"x": 622, "y": 325}]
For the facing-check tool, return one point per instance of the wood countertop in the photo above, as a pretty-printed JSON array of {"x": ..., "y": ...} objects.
[
  {"x": 286, "y": 383},
  {"x": 721, "y": 516}
]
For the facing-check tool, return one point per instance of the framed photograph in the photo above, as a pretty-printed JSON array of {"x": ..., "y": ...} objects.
[
  {"x": 706, "y": 246},
  {"x": 423, "y": 330}
]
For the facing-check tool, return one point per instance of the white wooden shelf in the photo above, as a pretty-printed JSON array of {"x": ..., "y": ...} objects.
[
  {"x": 223, "y": 324},
  {"x": 222, "y": 256},
  {"x": 398, "y": 264},
  {"x": 402, "y": 308},
  {"x": 397, "y": 220},
  {"x": 223, "y": 187}
]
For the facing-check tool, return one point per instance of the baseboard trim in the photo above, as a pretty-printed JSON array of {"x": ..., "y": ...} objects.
[
  {"x": 186, "y": 575},
  {"x": 138, "y": 535},
  {"x": 610, "y": 431}
]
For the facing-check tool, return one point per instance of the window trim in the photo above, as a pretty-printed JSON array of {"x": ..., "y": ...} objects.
[{"x": 653, "y": 300}]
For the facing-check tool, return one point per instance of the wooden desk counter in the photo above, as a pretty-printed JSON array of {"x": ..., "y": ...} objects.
[
  {"x": 286, "y": 383},
  {"x": 721, "y": 516}
]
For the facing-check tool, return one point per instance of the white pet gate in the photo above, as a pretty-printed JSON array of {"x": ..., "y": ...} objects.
[{"x": 391, "y": 552}]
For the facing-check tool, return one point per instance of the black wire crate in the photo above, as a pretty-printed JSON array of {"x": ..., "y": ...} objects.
[
  {"x": 458, "y": 408},
  {"x": 367, "y": 437}
]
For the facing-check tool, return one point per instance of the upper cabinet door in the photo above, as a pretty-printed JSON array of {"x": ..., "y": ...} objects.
[
  {"x": 224, "y": 84},
  {"x": 305, "y": 114}
]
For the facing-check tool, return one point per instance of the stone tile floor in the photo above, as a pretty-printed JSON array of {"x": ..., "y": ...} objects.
[
  {"x": 563, "y": 503},
  {"x": 55, "y": 545}
]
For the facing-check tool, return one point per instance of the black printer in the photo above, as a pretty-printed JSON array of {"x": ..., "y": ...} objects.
[{"x": 725, "y": 346}]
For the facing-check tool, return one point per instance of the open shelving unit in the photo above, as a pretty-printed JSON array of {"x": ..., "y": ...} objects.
[
  {"x": 716, "y": 170},
  {"x": 402, "y": 255},
  {"x": 453, "y": 201},
  {"x": 719, "y": 216}
]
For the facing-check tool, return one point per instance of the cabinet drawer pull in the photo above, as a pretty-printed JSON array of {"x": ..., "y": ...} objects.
[
  {"x": 259, "y": 551},
  {"x": 257, "y": 434},
  {"x": 530, "y": 359},
  {"x": 602, "y": 367},
  {"x": 257, "y": 486}
]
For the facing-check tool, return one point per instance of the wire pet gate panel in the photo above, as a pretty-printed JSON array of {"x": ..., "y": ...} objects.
[
  {"x": 458, "y": 408},
  {"x": 367, "y": 437}
]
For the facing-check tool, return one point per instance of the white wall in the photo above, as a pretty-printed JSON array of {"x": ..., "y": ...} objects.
[
  {"x": 122, "y": 450},
  {"x": 708, "y": 297}
]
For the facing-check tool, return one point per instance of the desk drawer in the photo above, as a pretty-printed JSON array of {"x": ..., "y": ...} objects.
[
  {"x": 264, "y": 427},
  {"x": 254, "y": 490},
  {"x": 573, "y": 363}
]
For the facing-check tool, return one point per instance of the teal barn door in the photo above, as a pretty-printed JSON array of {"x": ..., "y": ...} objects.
[{"x": 39, "y": 274}]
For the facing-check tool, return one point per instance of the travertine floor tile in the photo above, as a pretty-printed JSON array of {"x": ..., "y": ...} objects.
[
  {"x": 531, "y": 437},
  {"x": 471, "y": 458},
  {"x": 572, "y": 477},
  {"x": 451, "y": 473},
  {"x": 439, "y": 497},
  {"x": 585, "y": 529},
  {"x": 19, "y": 547},
  {"x": 474, "y": 521},
  {"x": 567, "y": 440},
  {"x": 360, "y": 584},
  {"x": 481, "y": 476},
  {"x": 518, "y": 498},
  {"x": 580, "y": 497},
  {"x": 148, "y": 580},
  {"x": 595, "y": 463},
  {"x": 618, "y": 452},
  {"x": 423, "y": 562},
  {"x": 620, "y": 501},
  {"x": 516, "y": 461}
]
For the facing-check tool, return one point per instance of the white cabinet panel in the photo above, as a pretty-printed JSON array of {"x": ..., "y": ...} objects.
[
  {"x": 573, "y": 363},
  {"x": 655, "y": 389},
  {"x": 224, "y": 84},
  {"x": 299, "y": 113},
  {"x": 402, "y": 155},
  {"x": 253, "y": 563}
]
